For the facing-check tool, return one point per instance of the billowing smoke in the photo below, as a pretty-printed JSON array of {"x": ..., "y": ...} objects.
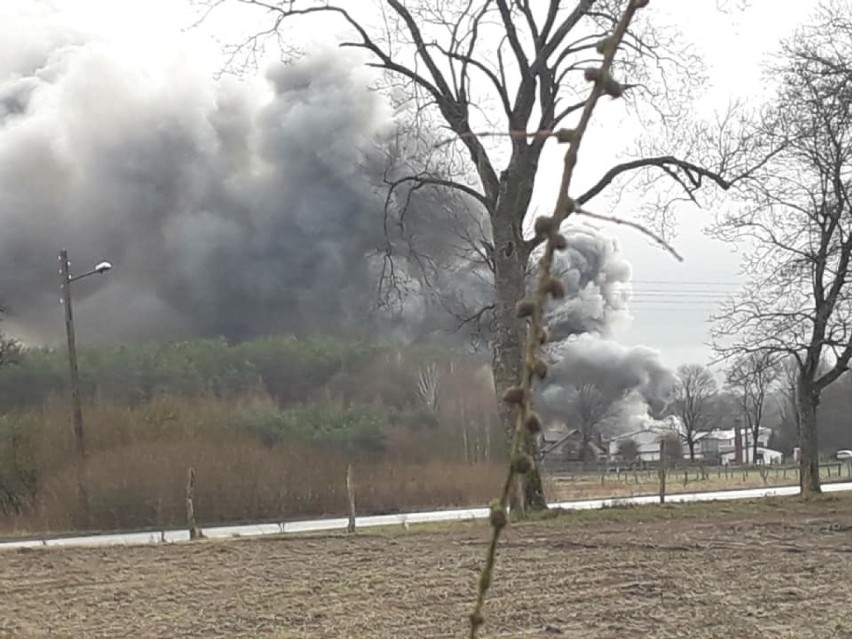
[
  {"x": 228, "y": 208},
  {"x": 254, "y": 207},
  {"x": 615, "y": 369},
  {"x": 603, "y": 387},
  {"x": 597, "y": 285},
  {"x": 595, "y": 384}
]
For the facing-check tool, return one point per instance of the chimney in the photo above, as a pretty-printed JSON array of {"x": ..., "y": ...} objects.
[{"x": 738, "y": 442}]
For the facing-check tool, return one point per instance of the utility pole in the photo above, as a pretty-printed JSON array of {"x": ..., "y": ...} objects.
[
  {"x": 79, "y": 435},
  {"x": 65, "y": 272}
]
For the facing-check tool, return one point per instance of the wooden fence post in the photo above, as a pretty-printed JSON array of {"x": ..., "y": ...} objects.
[
  {"x": 662, "y": 471},
  {"x": 350, "y": 491},
  {"x": 194, "y": 533}
]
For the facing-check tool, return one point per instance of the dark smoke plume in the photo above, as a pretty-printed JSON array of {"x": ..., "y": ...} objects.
[
  {"x": 248, "y": 208},
  {"x": 227, "y": 208}
]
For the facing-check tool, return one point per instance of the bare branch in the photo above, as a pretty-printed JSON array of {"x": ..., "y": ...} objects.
[
  {"x": 422, "y": 180},
  {"x": 692, "y": 173},
  {"x": 634, "y": 225}
]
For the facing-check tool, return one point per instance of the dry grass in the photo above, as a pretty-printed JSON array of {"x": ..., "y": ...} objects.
[
  {"x": 776, "y": 568},
  {"x": 136, "y": 470},
  {"x": 142, "y": 485}
]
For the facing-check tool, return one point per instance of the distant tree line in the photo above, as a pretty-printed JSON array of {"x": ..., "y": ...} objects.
[{"x": 292, "y": 371}]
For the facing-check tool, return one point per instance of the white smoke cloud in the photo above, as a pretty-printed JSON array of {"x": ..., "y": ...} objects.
[{"x": 597, "y": 276}]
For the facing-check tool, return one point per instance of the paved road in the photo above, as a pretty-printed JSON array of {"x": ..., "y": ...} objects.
[{"x": 321, "y": 525}]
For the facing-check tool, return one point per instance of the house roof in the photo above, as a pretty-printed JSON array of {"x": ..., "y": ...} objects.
[
  {"x": 555, "y": 434},
  {"x": 728, "y": 433},
  {"x": 651, "y": 429},
  {"x": 760, "y": 449}
]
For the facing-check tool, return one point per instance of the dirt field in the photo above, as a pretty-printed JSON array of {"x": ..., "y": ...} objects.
[{"x": 776, "y": 568}]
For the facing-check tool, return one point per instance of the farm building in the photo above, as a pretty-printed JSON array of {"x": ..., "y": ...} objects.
[{"x": 640, "y": 445}]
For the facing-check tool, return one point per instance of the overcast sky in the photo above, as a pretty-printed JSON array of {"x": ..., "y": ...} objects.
[{"x": 672, "y": 300}]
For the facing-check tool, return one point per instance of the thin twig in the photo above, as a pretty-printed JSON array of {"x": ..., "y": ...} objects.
[
  {"x": 521, "y": 396},
  {"x": 514, "y": 134},
  {"x": 634, "y": 225}
]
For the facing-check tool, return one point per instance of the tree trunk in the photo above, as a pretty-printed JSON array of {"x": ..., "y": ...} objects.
[
  {"x": 808, "y": 400},
  {"x": 754, "y": 444},
  {"x": 585, "y": 445},
  {"x": 690, "y": 442},
  {"x": 511, "y": 259}
]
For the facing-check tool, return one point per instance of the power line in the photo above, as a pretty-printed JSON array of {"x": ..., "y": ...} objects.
[
  {"x": 682, "y": 291},
  {"x": 688, "y": 282}
]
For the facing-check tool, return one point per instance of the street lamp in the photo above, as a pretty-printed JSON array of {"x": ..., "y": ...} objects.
[{"x": 67, "y": 278}]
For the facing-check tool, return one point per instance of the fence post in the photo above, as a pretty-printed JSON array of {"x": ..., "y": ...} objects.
[
  {"x": 662, "y": 471},
  {"x": 350, "y": 490},
  {"x": 194, "y": 533}
]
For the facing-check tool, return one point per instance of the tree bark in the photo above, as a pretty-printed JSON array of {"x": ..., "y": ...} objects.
[
  {"x": 585, "y": 452},
  {"x": 511, "y": 259},
  {"x": 808, "y": 400}
]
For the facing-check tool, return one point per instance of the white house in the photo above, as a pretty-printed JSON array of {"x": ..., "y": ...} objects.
[
  {"x": 721, "y": 445},
  {"x": 764, "y": 456},
  {"x": 646, "y": 441}
]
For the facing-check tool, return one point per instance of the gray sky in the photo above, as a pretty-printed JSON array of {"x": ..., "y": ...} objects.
[
  {"x": 672, "y": 301},
  {"x": 733, "y": 47}
]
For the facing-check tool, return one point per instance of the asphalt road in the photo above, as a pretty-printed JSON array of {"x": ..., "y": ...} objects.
[{"x": 399, "y": 519}]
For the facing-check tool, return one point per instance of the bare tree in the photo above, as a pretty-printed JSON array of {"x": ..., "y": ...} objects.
[
  {"x": 450, "y": 60},
  {"x": 673, "y": 449},
  {"x": 10, "y": 348},
  {"x": 429, "y": 386},
  {"x": 694, "y": 393},
  {"x": 589, "y": 407},
  {"x": 798, "y": 218},
  {"x": 788, "y": 380},
  {"x": 628, "y": 451},
  {"x": 752, "y": 377}
]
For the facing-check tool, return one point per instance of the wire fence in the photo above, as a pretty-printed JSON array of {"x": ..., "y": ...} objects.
[
  {"x": 696, "y": 474},
  {"x": 169, "y": 501}
]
